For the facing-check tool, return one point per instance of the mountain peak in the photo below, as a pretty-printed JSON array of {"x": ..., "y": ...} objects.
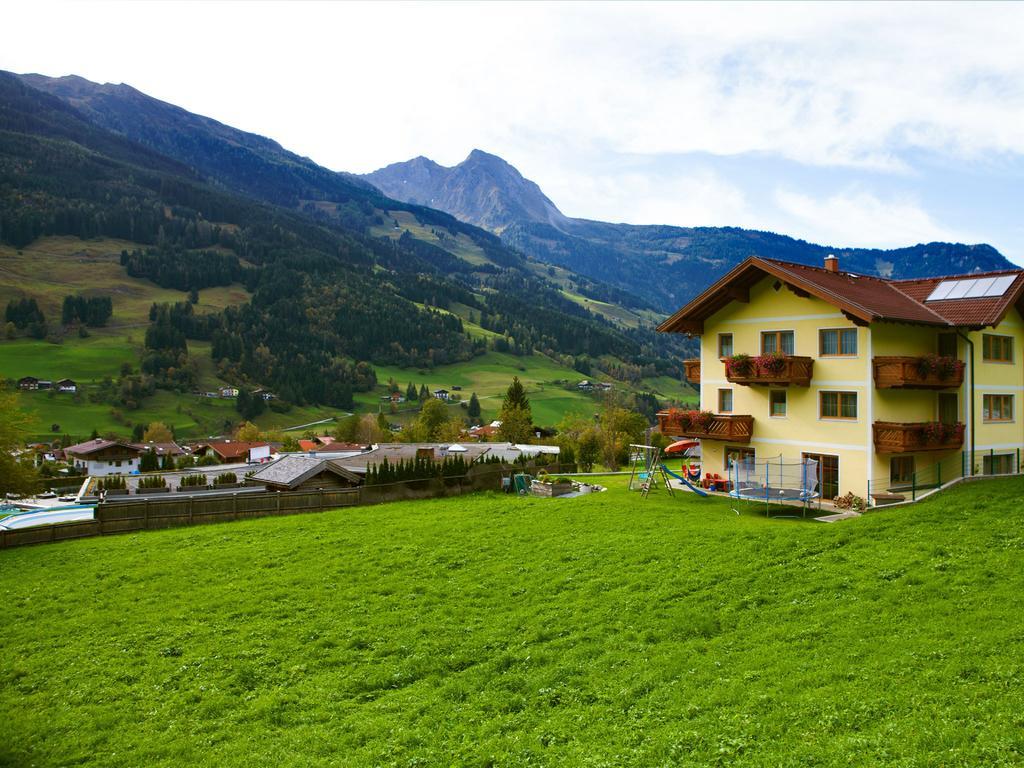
[{"x": 484, "y": 189}]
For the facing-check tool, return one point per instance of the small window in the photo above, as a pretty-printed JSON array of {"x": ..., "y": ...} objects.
[
  {"x": 838, "y": 342},
  {"x": 777, "y": 403},
  {"x": 997, "y": 407},
  {"x": 725, "y": 401},
  {"x": 997, "y": 349},
  {"x": 777, "y": 341},
  {"x": 724, "y": 345},
  {"x": 838, "y": 405},
  {"x": 999, "y": 464},
  {"x": 901, "y": 470}
]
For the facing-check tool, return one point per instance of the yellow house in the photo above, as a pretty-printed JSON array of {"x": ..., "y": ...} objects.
[{"x": 892, "y": 386}]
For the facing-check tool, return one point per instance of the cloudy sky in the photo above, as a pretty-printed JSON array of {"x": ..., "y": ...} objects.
[{"x": 857, "y": 125}]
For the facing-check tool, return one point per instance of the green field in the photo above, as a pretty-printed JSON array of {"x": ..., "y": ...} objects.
[{"x": 499, "y": 631}]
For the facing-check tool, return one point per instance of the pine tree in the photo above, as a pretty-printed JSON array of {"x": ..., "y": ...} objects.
[
  {"x": 473, "y": 411},
  {"x": 424, "y": 393},
  {"x": 410, "y": 392}
]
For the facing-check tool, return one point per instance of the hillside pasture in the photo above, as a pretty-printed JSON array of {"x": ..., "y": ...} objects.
[{"x": 495, "y": 630}]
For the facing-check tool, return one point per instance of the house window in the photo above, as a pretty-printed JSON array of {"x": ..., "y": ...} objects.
[
  {"x": 777, "y": 403},
  {"x": 997, "y": 407},
  {"x": 999, "y": 464},
  {"x": 738, "y": 455},
  {"x": 996, "y": 349},
  {"x": 725, "y": 401},
  {"x": 724, "y": 345},
  {"x": 901, "y": 470},
  {"x": 948, "y": 345},
  {"x": 838, "y": 342},
  {"x": 777, "y": 341},
  {"x": 837, "y": 405}
]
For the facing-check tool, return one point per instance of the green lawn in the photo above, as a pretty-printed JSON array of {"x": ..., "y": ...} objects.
[{"x": 497, "y": 631}]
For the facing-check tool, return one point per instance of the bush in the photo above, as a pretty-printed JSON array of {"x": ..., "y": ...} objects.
[
  {"x": 153, "y": 481},
  {"x": 112, "y": 483},
  {"x": 189, "y": 481},
  {"x": 226, "y": 478}
]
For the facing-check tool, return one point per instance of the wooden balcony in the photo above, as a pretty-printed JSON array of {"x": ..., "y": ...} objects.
[
  {"x": 912, "y": 437},
  {"x": 794, "y": 370},
  {"x": 692, "y": 370},
  {"x": 734, "y": 429},
  {"x": 909, "y": 373}
]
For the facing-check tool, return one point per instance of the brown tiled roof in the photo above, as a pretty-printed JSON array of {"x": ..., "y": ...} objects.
[
  {"x": 98, "y": 444},
  {"x": 862, "y": 298}
]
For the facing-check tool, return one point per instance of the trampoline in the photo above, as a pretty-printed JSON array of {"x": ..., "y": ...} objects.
[{"x": 776, "y": 481}]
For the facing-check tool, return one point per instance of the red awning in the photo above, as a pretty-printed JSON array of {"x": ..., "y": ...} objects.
[{"x": 681, "y": 445}]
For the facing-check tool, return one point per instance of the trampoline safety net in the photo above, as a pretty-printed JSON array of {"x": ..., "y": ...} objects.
[{"x": 774, "y": 480}]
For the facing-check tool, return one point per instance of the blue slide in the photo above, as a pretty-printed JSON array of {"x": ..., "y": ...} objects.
[{"x": 684, "y": 481}]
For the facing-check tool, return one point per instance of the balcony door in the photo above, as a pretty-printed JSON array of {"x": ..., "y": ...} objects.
[
  {"x": 949, "y": 408},
  {"x": 828, "y": 474},
  {"x": 947, "y": 345}
]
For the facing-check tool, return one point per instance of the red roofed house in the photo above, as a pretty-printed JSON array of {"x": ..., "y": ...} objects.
[
  {"x": 234, "y": 451},
  {"x": 889, "y": 386}
]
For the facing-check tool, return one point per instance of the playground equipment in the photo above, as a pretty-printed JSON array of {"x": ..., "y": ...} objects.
[
  {"x": 775, "y": 480},
  {"x": 647, "y": 470},
  {"x": 685, "y": 481}
]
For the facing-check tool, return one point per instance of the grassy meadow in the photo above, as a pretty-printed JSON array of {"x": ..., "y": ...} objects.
[{"x": 498, "y": 631}]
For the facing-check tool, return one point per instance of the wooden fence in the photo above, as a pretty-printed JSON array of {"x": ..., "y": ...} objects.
[{"x": 142, "y": 514}]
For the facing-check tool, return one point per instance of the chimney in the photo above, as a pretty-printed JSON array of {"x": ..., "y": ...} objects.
[{"x": 831, "y": 263}]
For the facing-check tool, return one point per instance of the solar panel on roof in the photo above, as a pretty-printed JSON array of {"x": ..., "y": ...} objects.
[
  {"x": 974, "y": 288},
  {"x": 1001, "y": 285},
  {"x": 980, "y": 288},
  {"x": 941, "y": 290},
  {"x": 960, "y": 289}
]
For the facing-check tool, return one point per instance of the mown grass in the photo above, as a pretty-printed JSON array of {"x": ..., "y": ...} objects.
[{"x": 493, "y": 630}]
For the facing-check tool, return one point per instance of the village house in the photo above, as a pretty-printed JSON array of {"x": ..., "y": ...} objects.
[
  {"x": 305, "y": 473},
  {"x": 67, "y": 385},
  {"x": 441, "y": 394},
  {"x": 104, "y": 457},
  {"x": 28, "y": 383},
  {"x": 161, "y": 449},
  {"x": 234, "y": 451},
  {"x": 889, "y": 385},
  {"x": 227, "y": 392}
]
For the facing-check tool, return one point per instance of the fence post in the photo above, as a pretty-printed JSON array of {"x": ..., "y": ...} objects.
[
  {"x": 938, "y": 473},
  {"x": 234, "y": 506},
  {"x": 145, "y": 513},
  {"x": 913, "y": 486},
  {"x": 321, "y": 490},
  {"x": 191, "y": 503},
  {"x": 279, "y": 502}
]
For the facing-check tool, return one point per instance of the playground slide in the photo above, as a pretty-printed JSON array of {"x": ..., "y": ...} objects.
[{"x": 684, "y": 481}]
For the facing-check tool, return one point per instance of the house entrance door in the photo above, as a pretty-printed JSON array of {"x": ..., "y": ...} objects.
[{"x": 828, "y": 474}]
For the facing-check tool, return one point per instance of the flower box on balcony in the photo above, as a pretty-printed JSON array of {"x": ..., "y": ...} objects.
[
  {"x": 770, "y": 369},
  {"x": 912, "y": 437},
  {"x": 706, "y": 426},
  {"x": 928, "y": 372},
  {"x": 692, "y": 368}
]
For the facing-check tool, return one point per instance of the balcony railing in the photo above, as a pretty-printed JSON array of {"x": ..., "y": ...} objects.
[
  {"x": 918, "y": 373},
  {"x": 736, "y": 429},
  {"x": 912, "y": 437},
  {"x": 692, "y": 370},
  {"x": 790, "y": 369}
]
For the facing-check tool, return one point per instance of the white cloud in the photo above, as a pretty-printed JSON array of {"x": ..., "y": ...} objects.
[{"x": 858, "y": 218}]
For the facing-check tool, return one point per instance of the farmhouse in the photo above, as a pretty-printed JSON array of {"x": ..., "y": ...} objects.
[
  {"x": 104, "y": 457},
  {"x": 305, "y": 473},
  {"x": 67, "y": 385},
  {"x": 887, "y": 384},
  {"x": 228, "y": 392},
  {"x": 441, "y": 394},
  {"x": 160, "y": 449},
  {"x": 28, "y": 383}
]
